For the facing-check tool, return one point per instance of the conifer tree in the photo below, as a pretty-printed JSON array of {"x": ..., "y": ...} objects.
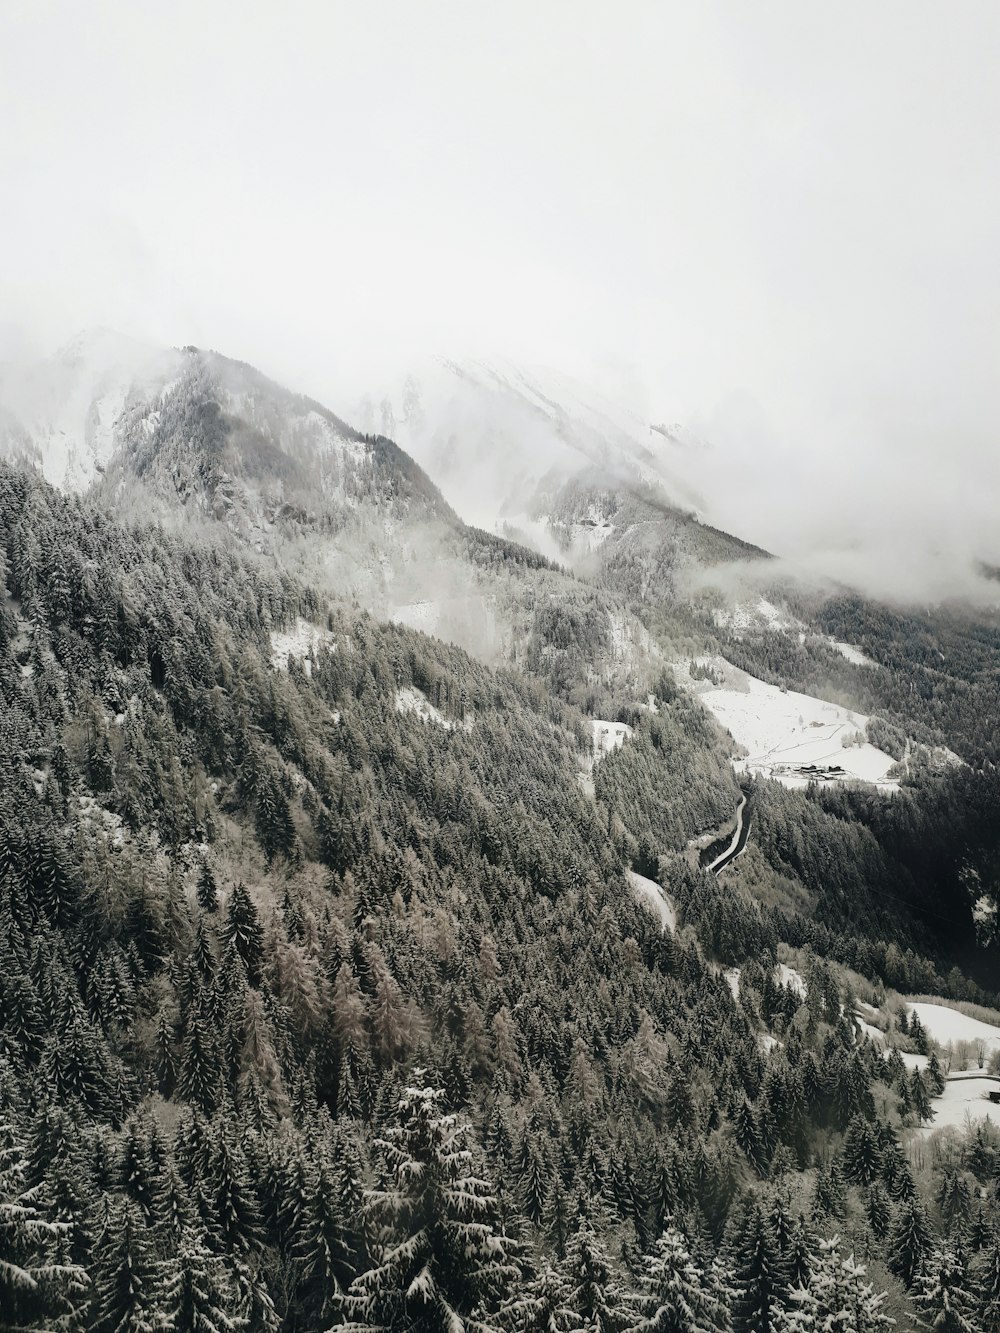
[
  {"x": 594, "y": 1287},
  {"x": 675, "y": 1294},
  {"x": 989, "y": 1290},
  {"x": 242, "y": 929},
  {"x": 942, "y": 1296},
  {"x": 836, "y": 1298},
  {"x": 909, "y": 1240},
  {"x": 438, "y": 1260},
  {"x": 208, "y": 893},
  {"x": 759, "y": 1281},
  {"x": 198, "y": 1295},
  {"x": 539, "y": 1306},
  {"x": 35, "y": 1287},
  {"x": 126, "y": 1275}
]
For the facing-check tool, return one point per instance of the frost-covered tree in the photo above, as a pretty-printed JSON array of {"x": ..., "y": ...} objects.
[
  {"x": 35, "y": 1288},
  {"x": 197, "y": 1294},
  {"x": 836, "y": 1299},
  {"x": 676, "y": 1295},
  {"x": 439, "y": 1262},
  {"x": 942, "y": 1296}
]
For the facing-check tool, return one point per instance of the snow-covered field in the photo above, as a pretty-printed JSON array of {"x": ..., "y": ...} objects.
[
  {"x": 651, "y": 895},
  {"x": 794, "y": 738},
  {"x": 303, "y": 641},
  {"x": 964, "y": 1101},
  {"x": 852, "y": 654},
  {"x": 787, "y": 976},
  {"x": 423, "y": 616},
  {"x": 410, "y": 700},
  {"x": 608, "y": 736},
  {"x": 948, "y": 1027}
]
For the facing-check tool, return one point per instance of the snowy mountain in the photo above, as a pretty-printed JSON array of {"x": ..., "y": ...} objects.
[
  {"x": 495, "y": 431},
  {"x": 65, "y": 413}
]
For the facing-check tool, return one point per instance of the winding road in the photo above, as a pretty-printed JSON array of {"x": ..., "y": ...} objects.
[{"x": 738, "y": 842}]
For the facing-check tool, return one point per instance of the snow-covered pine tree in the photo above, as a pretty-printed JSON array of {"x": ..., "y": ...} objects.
[
  {"x": 198, "y": 1294},
  {"x": 126, "y": 1277},
  {"x": 34, "y": 1288},
  {"x": 942, "y": 1296},
  {"x": 596, "y": 1292},
  {"x": 439, "y": 1262},
  {"x": 676, "y": 1295},
  {"x": 836, "y": 1299},
  {"x": 539, "y": 1306}
]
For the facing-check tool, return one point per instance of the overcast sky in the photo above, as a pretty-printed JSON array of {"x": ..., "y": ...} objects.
[{"x": 777, "y": 220}]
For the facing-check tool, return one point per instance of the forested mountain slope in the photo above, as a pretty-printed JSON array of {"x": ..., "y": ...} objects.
[{"x": 284, "y": 888}]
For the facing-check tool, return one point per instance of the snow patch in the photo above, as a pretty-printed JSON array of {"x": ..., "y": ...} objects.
[
  {"x": 852, "y": 654},
  {"x": 913, "y": 1059},
  {"x": 424, "y": 616},
  {"x": 656, "y": 898},
  {"x": 608, "y": 736},
  {"x": 787, "y": 976},
  {"x": 411, "y": 700},
  {"x": 876, "y": 1034},
  {"x": 303, "y": 641}
]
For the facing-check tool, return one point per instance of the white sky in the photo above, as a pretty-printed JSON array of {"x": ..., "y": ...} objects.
[{"x": 777, "y": 220}]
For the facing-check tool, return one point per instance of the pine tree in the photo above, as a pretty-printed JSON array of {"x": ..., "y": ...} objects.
[
  {"x": 836, "y": 1298},
  {"x": 878, "y": 1211},
  {"x": 236, "y": 1213},
  {"x": 198, "y": 1295},
  {"x": 759, "y": 1280},
  {"x": 675, "y": 1294},
  {"x": 862, "y": 1158},
  {"x": 989, "y": 1290},
  {"x": 909, "y": 1240},
  {"x": 198, "y": 1081},
  {"x": 438, "y": 1258},
  {"x": 208, "y": 892},
  {"x": 35, "y": 1288},
  {"x": 919, "y": 1099},
  {"x": 540, "y": 1306},
  {"x": 594, "y": 1288},
  {"x": 242, "y": 929},
  {"x": 126, "y": 1275},
  {"x": 321, "y": 1246},
  {"x": 941, "y": 1294}
]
